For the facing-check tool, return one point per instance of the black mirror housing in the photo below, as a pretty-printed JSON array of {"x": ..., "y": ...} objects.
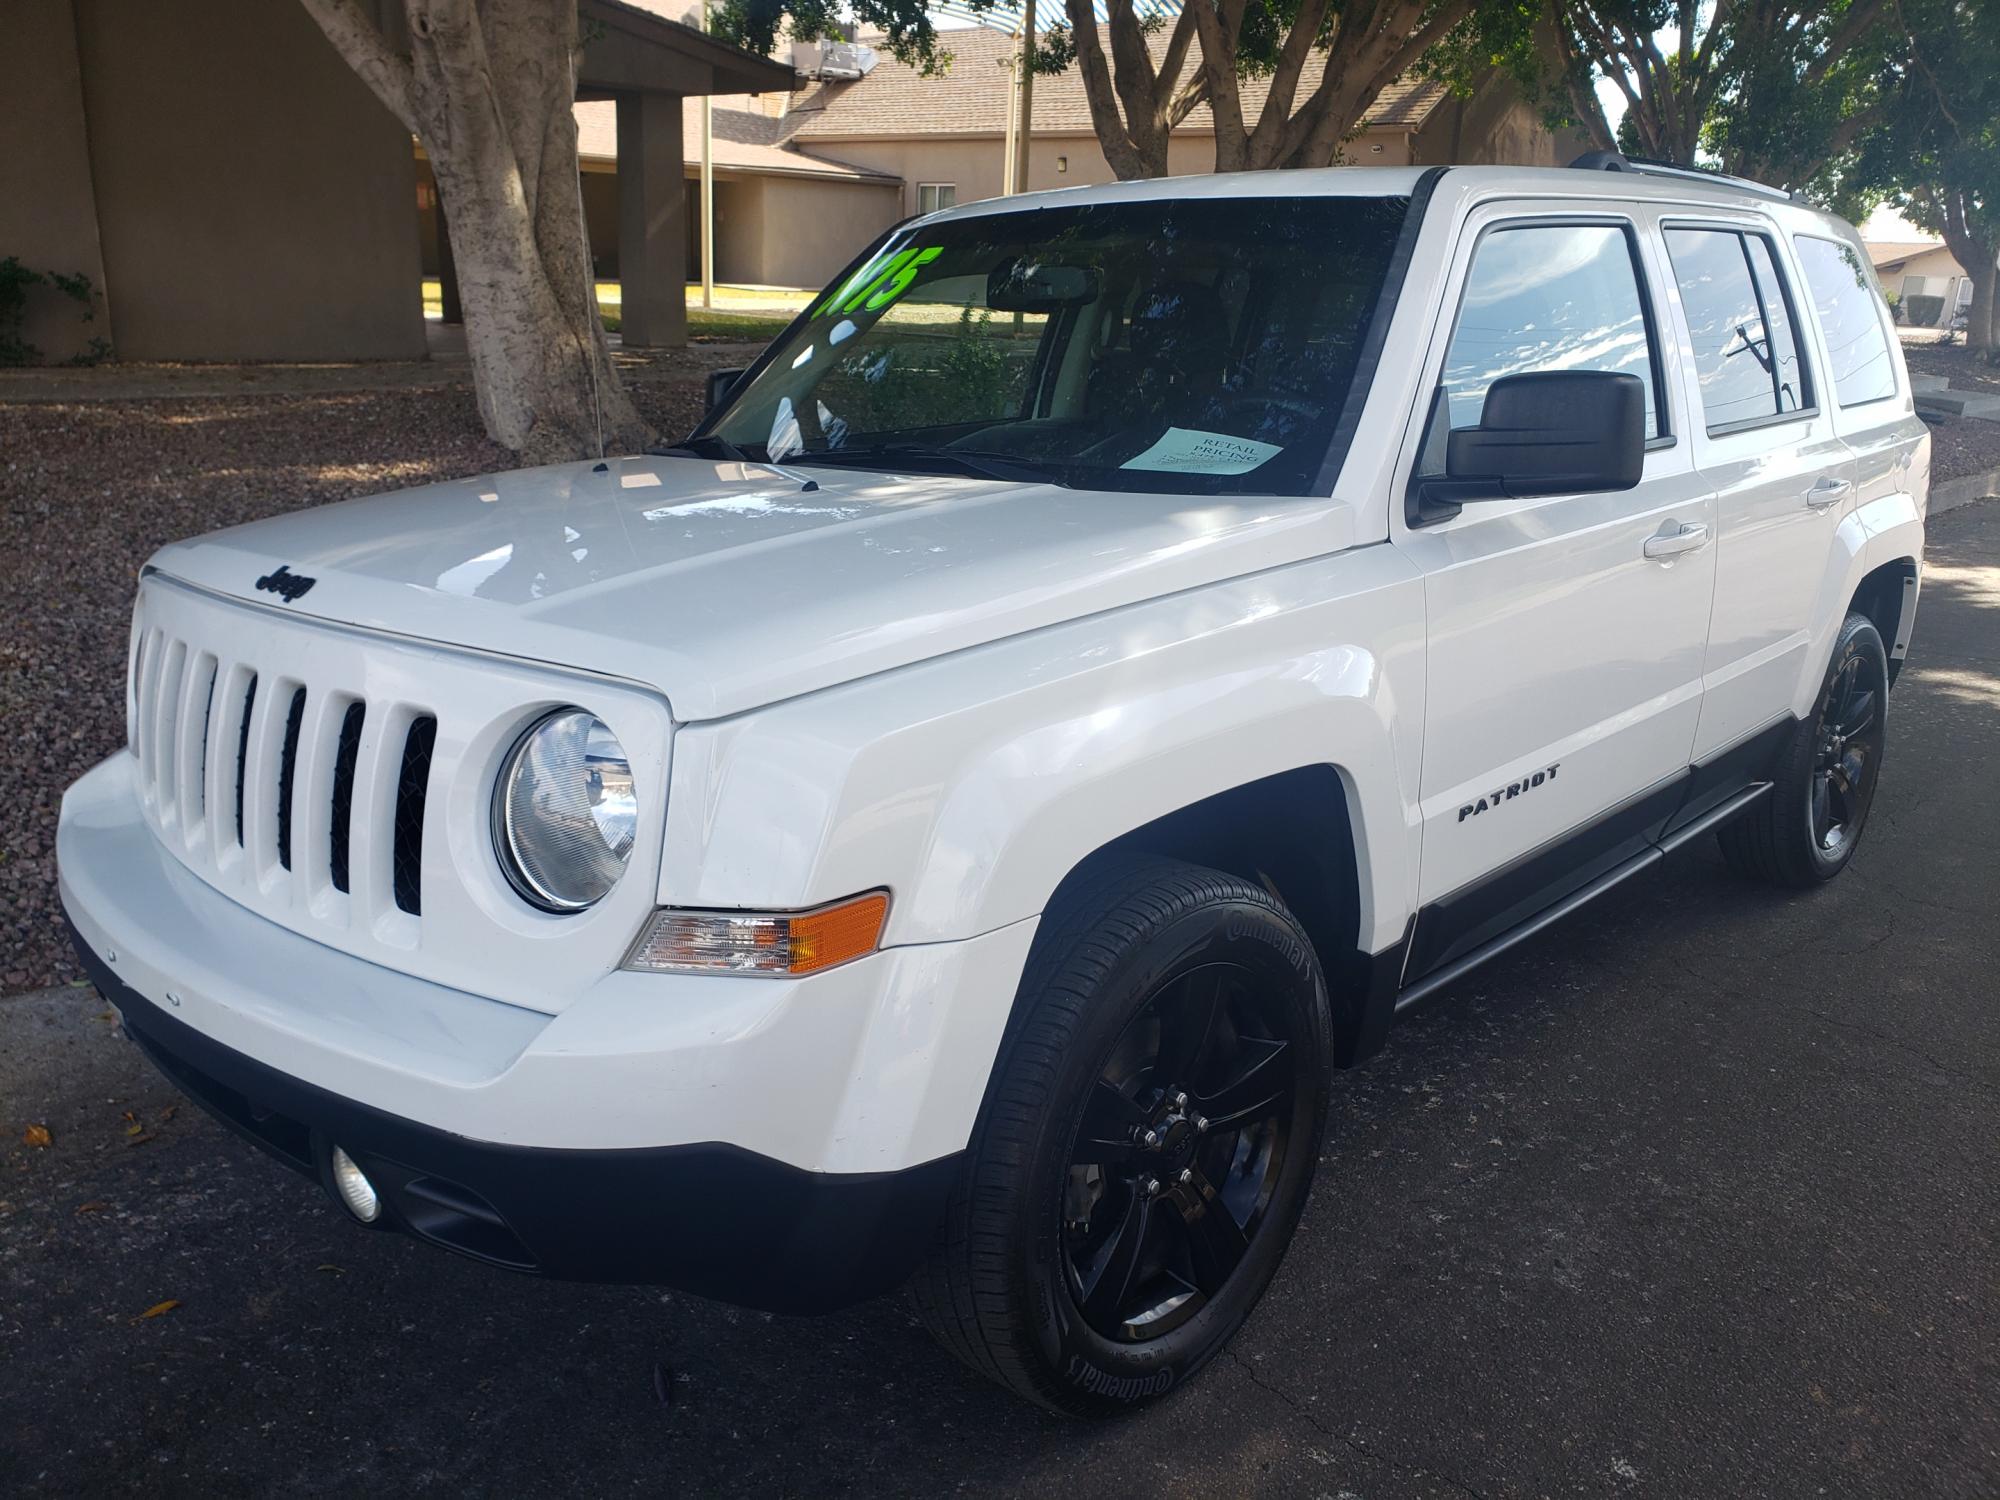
[
  {"x": 1554, "y": 432},
  {"x": 720, "y": 384}
]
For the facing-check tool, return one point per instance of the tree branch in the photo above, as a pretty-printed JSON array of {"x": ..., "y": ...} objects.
[{"x": 360, "y": 42}]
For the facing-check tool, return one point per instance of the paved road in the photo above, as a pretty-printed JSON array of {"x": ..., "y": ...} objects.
[{"x": 1696, "y": 1195}]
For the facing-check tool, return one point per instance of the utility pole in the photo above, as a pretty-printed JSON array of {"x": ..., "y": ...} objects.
[
  {"x": 1013, "y": 120},
  {"x": 707, "y": 187},
  {"x": 1024, "y": 132}
]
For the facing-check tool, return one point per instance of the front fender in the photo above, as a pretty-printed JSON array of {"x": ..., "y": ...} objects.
[{"x": 972, "y": 784}]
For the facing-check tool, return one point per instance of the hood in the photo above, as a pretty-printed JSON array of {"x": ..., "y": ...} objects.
[{"x": 726, "y": 586}]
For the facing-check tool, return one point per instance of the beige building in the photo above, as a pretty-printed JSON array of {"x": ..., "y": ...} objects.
[
  {"x": 234, "y": 192},
  {"x": 1921, "y": 268},
  {"x": 805, "y": 179},
  {"x": 945, "y": 136}
]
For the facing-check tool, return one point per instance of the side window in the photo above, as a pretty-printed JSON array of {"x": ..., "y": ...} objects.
[
  {"x": 1549, "y": 297},
  {"x": 1746, "y": 354},
  {"x": 1849, "y": 305},
  {"x": 932, "y": 196}
]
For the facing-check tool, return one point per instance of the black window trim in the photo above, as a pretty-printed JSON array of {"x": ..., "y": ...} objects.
[
  {"x": 1414, "y": 513},
  {"x": 1881, "y": 307},
  {"x": 1743, "y": 231}
]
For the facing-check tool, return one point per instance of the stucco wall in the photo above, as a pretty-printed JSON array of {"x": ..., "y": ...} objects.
[
  {"x": 48, "y": 213},
  {"x": 795, "y": 232},
  {"x": 254, "y": 201}
]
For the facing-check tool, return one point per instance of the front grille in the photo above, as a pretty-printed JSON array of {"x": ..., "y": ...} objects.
[
  {"x": 334, "y": 781},
  {"x": 243, "y": 765},
  {"x": 342, "y": 831},
  {"x": 412, "y": 788}
]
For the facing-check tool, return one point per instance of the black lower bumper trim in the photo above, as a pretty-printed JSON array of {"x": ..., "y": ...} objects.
[{"x": 710, "y": 1219}]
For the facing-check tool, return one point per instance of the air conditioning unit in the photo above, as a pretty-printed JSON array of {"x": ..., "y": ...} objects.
[{"x": 831, "y": 59}]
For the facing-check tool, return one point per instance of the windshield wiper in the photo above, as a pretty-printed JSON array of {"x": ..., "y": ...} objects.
[
  {"x": 1000, "y": 466},
  {"x": 709, "y": 447},
  {"x": 712, "y": 447}
]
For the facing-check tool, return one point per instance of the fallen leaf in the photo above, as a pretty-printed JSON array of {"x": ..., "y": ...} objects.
[
  {"x": 158, "y": 1309},
  {"x": 38, "y": 1135},
  {"x": 135, "y": 1128},
  {"x": 170, "y": 1111},
  {"x": 129, "y": 1115},
  {"x": 138, "y": 1140},
  {"x": 92, "y": 1207},
  {"x": 335, "y": 1269}
]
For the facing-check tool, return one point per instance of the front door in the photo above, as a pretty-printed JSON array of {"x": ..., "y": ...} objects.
[{"x": 1565, "y": 652}]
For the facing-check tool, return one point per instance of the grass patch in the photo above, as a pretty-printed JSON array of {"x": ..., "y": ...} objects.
[{"x": 751, "y": 325}]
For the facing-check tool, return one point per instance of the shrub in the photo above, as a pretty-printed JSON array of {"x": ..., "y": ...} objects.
[
  {"x": 1924, "y": 312},
  {"x": 15, "y": 283}
]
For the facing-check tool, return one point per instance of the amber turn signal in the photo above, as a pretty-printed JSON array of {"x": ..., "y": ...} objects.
[{"x": 780, "y": 944}]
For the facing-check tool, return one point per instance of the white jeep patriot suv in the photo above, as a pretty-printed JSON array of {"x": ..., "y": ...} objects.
[{"x": 952, "y": 815}]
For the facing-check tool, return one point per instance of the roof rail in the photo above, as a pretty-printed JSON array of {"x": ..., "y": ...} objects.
[{"x": 1612, "y": 161}]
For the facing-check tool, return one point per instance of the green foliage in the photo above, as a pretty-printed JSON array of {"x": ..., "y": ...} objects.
[
  {"x": 1923, "y": 311},
  {"x": 15, "y": 282}
]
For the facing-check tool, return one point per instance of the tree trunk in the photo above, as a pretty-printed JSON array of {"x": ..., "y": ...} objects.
[
  {"x": 1974, "y": 241},
  {"x": 488, "y": 87},
  {"x": 1374, "y": 42},
  {"x": 1134, "y": 104}
]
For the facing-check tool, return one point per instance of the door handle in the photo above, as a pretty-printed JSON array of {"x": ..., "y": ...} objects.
[
  {"x": 1671, "y": 544},
  {"x": 1826, "y": 491}
]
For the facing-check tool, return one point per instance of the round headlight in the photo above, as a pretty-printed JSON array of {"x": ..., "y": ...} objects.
[{"x": 565, "y": 812}]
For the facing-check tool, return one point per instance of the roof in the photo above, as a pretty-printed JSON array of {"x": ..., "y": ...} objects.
[
  {"x": 971, "y": 97},
  {"x": 1457, "y": 187},
  {"x": 1888, "y": 252},
  {"x": 644, "y": 46},
  {"x": 744, "y": 141}
]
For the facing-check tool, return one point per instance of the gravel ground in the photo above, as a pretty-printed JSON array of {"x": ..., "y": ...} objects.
[
  {"x": 88, "y": 490},
  {"x": 1963, "y": 445},
  {"x": 1958, "y": 364}
]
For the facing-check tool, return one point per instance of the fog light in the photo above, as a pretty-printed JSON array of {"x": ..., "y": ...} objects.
[{"x": 356, "y": 1191}]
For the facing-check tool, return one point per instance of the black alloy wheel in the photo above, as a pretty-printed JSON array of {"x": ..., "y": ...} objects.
[
  {"x": 1804, "y": 831},
  {"x": 1147, "y": 1140},
  {"x": 1183, "y": 1142},
  {"x": 1848, "y": 755}
]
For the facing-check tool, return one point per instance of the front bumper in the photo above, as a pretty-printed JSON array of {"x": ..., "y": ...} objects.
[
  {"x": 711, "y": 1219},
  {"x": 782, "y": 1144}
]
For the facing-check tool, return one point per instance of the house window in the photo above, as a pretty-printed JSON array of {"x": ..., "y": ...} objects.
[
  {"x": 932, "y": 196},
  {"x": 1915, "y": 286}
]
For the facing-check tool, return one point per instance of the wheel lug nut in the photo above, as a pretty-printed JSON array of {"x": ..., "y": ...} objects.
[
  {"x": 1200, "y": 1122},
  {"x": 1180, "y": 1101},
  {"x": 1150, "y": 1138},
  {"x": 1152, "y": 1186},
  {"x": 1187, "y": 1174}
]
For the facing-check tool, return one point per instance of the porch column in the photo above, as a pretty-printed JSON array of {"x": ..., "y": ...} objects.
[{"x": 652, "y": 221}]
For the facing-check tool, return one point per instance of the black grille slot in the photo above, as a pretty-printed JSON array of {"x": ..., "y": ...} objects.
[
  {"x": 344, "y": 756},
  {"x": 412, "y": 786},
  {"x": 287, "y": 763},
  {"x": 197, "y": 795},
  {"x": 243, "y": 752}
]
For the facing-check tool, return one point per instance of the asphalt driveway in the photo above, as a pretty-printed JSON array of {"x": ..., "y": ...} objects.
[{"x": 1695, "y": 1195}]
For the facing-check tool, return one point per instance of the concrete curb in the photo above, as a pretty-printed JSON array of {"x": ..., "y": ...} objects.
[{"x": 1956, "y": 492}]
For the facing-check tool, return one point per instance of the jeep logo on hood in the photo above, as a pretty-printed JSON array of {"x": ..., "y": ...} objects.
[{"x": 288, "y": 585}]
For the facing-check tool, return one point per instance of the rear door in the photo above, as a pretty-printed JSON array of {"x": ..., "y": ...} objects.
[
  {"x": 1764, "y": 438},
  {"x": 1564, "y": 662}
]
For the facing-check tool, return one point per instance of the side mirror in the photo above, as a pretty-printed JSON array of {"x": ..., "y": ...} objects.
[
  {"x": 720, "y": 384},
  {"x": 1556, "y": 432}
]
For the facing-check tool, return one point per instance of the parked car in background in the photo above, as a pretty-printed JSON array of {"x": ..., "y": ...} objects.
[{"x": 952, "y": 817}]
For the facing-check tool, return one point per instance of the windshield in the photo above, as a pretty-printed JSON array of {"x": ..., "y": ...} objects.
[{"x": 1202, "y": 345}]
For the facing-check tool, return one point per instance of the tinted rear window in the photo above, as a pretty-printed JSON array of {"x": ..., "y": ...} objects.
[{"x": 1850, "y": 315}]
